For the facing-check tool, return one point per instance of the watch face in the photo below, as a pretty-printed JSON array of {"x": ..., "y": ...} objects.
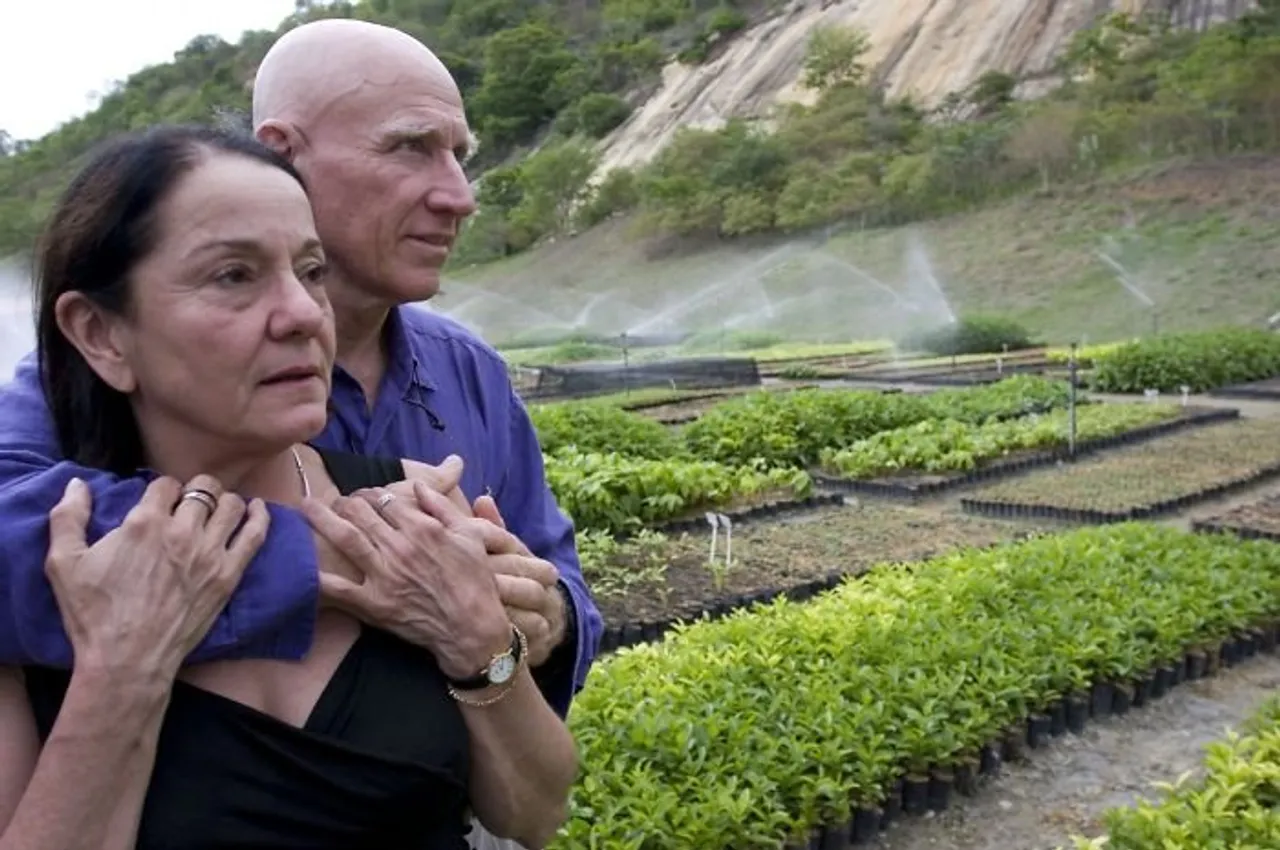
[{"x": 502, "y": 669}]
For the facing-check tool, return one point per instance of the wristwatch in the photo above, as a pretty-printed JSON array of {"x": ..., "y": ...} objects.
[{"x": 501, "y": 669}]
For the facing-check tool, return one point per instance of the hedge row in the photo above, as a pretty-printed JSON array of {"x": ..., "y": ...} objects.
[
  {"x": 1200, "y": 361},
  {"x": 748, "y": 731}
]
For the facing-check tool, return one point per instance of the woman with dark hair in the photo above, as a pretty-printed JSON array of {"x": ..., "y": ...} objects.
[{"x": 184, "y": 329}]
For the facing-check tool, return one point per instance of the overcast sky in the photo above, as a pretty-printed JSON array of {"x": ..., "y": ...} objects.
[{"x": 55, "y": 53}]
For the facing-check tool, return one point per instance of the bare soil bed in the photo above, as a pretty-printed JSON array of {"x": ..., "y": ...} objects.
[
  {"x": 673, "y": 577},
  {"x": 1260, "y": 515},
  {"x": 1163, "y": 469}
]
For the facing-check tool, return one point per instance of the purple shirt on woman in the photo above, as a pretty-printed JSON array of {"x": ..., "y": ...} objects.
[{"x": 445, "y": 392}]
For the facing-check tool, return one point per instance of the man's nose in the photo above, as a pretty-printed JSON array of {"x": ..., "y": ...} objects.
[{"x": 451, "y": 192}]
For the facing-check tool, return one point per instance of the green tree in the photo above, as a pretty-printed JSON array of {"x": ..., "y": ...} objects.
[{"x": 835, "y": 56}]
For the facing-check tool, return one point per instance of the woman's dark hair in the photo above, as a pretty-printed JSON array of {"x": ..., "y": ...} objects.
[{"x": 104, "y": 224}]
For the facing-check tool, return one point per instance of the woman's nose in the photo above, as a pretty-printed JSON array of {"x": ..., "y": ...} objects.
[{"x": 299, "y": 308}]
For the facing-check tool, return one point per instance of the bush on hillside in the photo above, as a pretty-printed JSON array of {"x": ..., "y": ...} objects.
[
  {"x": 971, "y": 335},
  {"x": 1200, "y": 361}
]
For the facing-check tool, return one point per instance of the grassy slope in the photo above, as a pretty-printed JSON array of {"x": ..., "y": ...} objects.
[{"x": 1203, "y": 239}]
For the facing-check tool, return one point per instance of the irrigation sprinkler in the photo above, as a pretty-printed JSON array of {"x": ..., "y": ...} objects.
[{"x": 626, "y": 365}]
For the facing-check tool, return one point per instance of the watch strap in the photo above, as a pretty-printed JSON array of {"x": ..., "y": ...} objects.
[{"x": 480, "y": 681}]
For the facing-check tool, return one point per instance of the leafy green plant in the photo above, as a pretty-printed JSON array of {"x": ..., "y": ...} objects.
[
  {"x": 793, "y": 429},
  {"x": 946, "y": 445},
  {"x": 618, "y": 493},
  {"x": 1199, "y": 361},
  {"x": 746, "y": 731},
  {"x": 613, "y": 568},
  {"x": 599, "y": 427}
]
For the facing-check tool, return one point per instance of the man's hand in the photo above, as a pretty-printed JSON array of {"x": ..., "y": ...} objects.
[
  {"x": 422, "y": 573},
  {"x": 537, "y": 608}
]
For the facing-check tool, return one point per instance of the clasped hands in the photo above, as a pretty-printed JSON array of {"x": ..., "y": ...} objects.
[{"x": 416, "y": 559}]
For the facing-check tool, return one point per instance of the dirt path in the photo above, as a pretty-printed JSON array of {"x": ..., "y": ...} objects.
[{"x": 1063, "y": 789}]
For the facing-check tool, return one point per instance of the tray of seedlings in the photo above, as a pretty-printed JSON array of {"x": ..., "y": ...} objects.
[{"x": 1148, "y": 480}]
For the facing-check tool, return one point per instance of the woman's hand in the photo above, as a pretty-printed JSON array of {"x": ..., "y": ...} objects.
[
  {"x": 427, "y": 572},
  {"x": 140, "y": 599}
]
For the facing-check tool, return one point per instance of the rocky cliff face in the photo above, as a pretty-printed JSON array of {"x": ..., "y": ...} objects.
[{"x": 927, "y": 48}]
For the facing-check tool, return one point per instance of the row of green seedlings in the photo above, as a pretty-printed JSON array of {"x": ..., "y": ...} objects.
[
  {"x": 1236, "y": 804},
  {"x": 616, "y": 471},
  {"x": 794, "y": 723}
]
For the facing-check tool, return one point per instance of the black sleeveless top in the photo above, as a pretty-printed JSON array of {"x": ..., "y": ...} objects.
[{"x": 381, "y": 763}]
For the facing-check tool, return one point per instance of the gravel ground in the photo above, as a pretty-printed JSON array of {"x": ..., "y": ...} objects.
[{"x": 1063, "y": 789}]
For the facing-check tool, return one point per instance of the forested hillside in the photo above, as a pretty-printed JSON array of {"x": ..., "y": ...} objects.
[
  {"x": 553, "y": 76},
  {"x": 522, "y": 65}
]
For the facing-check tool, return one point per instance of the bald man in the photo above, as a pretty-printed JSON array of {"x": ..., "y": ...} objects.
[{"x": 375, "y": 124}]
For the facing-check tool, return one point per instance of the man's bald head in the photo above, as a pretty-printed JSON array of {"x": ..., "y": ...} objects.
[
  {"x": 376, "y": 126},
  {"x": 312, "y": 66}
]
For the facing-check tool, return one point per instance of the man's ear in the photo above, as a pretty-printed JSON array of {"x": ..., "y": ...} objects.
[
  {"x": 100, "y": 338},
  {"x": 280, "y": 137}
]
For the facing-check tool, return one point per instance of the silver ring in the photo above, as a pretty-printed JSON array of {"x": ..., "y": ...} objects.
[
  {"x": 384, "y": 500},
  {"x": 204, "y": 497}
]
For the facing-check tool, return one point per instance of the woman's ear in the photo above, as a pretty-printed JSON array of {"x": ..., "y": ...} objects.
[{"x": 99, "y": 336}]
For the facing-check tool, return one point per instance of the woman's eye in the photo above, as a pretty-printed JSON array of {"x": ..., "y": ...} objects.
[{"x": 233, "y": 275}]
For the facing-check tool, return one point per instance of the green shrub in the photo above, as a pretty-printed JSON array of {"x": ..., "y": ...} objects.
[
  {"x": 616, "y": 493},
  {"x": 794, "y": 428},
  {"x": 593, "y": 427},
  {"x": 747, "y": 731},
  {"x": 971, "y": 335},
  {"x": 1200, "y": 361}
]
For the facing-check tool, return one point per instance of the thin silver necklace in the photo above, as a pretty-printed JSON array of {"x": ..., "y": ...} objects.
[{"x": 302, "y": 473}]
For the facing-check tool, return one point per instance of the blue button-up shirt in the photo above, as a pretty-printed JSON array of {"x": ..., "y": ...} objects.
[{"x": 445, "y": 392}]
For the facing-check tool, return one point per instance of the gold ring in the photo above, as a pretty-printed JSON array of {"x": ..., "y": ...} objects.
[{"x": 204, "y": 497}]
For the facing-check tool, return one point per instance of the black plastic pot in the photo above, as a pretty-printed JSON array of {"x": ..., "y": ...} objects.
[
  {"x": 989, "y": 760},
  {"x": 1267, "y": 638},
  {"x": 1179, "y": 669},
  {"x": 966, "y": 776},
  {"x": 1100, "y": 700},
  {"x": 915, "y": 795},
  {"x": 1159, "y": 685},
  {"x": 1038, "y": 730},
  {"x": 629, "y": 635},
  {"x": 1142, "y": 690},
  {"x": 609, "y": 640},
  {"x": 815, "y": 838},
  {"x": 940, "y": 784},
  {"x": 1248, "y": 643},
  {"x": 865, "y": 826},
  {"x": 1058, "y": 718},
  {"x": 835, "y": 837},
  {"x": 1197, "y": 665},
  {"x": 1213, "y": 659},
  {"x": 892, "y": 809},
  {"x": 1121, "y": 699},
  {"x": 1230, "y": 652},
  {"x": 1014, "y": 746},
  {"x": 1077, "y": 713}
]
